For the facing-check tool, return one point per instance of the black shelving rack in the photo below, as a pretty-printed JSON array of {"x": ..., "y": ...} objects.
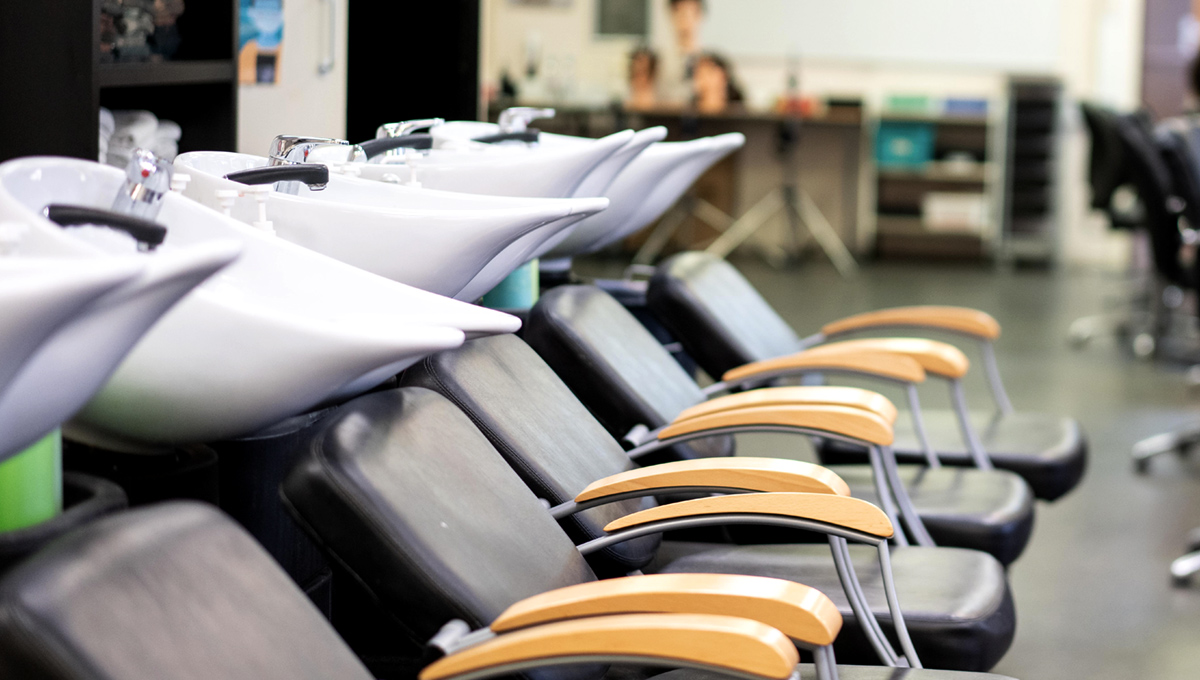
[
  {"x": 1030, "y": 225},
  {"x": 52, "y": 81}
]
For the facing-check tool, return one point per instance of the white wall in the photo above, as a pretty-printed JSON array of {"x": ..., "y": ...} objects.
[
  {"x": 303, "y": 103},
  {"x": 1093, "y": 45}
]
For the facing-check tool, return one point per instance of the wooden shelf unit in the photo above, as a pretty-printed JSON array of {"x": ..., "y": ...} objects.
[{"x": 900, "y": 231}]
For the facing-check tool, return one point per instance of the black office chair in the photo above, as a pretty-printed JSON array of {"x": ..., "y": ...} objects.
[
  {"x": 403, "y": 490},
  {"x": 1113, "y": 194}
]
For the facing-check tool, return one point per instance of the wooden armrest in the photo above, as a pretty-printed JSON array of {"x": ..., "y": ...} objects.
[
  {"x": 879, "y": 364},
  {"x": 956, "y": 319},
  {"x": 748, "y": 474},
  {"x": 848, "y": 422},
  {"x": 842, "y": 511},
  {"x": 696, "y": 640},
  {"x": 935, "y": 357},
  {"x": 823, "y": 395},
  {"x": 802, "y": 613}
]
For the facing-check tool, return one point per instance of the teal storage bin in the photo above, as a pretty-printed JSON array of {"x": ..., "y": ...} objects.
[{"x": 904, "y": 144}]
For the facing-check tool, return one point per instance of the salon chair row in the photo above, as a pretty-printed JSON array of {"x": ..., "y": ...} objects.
[{"x": 567, "y": 506}]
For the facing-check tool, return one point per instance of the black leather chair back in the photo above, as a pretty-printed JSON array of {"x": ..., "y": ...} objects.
[
  {"x": 614, "y": 365},
  {"x": 547, "y": 436},
  {"x": 1174, "y": 138},
  {"x": 168, "y": 592},
  {"x": 1107, "y": 165},
  {"x": 1155, "y": 185},
  {"x": 716, "y": 313},
  {"x": 401, "y": 489}
]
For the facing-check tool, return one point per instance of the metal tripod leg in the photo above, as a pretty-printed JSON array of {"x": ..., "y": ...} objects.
[
  {"x": 824, "y": 233},
  {"x": 746, "y": 225},
  {"x": 660, "y": 237}
]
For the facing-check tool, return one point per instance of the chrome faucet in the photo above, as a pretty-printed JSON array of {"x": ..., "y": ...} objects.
[
  {"x": 147, "y": 180},
  {"x": 294, "y": 150},
  {"x": 518, "y": 118},
  {"x": 406, "y": 127}
]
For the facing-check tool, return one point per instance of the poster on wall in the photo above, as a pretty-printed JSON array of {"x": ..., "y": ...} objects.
[{"x": 260, "y": 41}]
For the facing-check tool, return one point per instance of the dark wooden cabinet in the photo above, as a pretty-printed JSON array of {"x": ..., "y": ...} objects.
[{"x": 52, "y": 81}]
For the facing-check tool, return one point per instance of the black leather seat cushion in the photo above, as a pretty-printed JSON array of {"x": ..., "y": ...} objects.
[
  {"x": 616, "y": 367},
  {"x": 723, "y": 323},
  {"x": 85, "y": 498},
  {"x": 169, "y": 592},
  {"x": 957, "y": 603},
  {"x": 1049, "y": 452},
  {"x": 578, "y": 329},
  {"x": 401, "y": 489},
  {"x": 807, "y": 672},
  {"x": 542, "y": 430},
  {"x": 961, "y": 507}
]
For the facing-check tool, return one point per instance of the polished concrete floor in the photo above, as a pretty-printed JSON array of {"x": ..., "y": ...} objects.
[{"x": 1094, "y": 598}]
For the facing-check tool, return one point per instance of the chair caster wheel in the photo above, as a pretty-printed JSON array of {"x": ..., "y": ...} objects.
[
  {"x": 1143, "y": 345},
  {"x": 1181, "y": 581},
  {"x": 1141, "y": 465}
]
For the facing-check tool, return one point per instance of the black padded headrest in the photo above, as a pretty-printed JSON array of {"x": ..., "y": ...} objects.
[
  {"x": 542, "y": 430},
  {"x": 406, "y": 493},
  {"x": 716, "y": 313},
  {"x": 168, "y": 592},
  {"x": 614, "y": 365}
]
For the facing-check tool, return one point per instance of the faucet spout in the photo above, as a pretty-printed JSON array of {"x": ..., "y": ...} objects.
[
  {"x": 406, "y": 127},
  {"x": 147, "y": 180},
  {"x": 518, "y": 118},
  {"x": 294, "y": 150}
]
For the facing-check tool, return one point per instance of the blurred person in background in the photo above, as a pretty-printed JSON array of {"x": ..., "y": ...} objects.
[
  {"x": 714, "y": 89},
  {"x": 643, "y": 80},
  {"x": 677, "y": 65}
]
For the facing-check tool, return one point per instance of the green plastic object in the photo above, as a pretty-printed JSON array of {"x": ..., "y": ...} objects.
[
  {"x": 31, "y": 484},
  {"x": 518, "y": 291}
]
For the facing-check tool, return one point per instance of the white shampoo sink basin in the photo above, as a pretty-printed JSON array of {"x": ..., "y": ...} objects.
[
  {"x": 434, "y": 240},
  {"x": 690, "y": 160},
  {"x": 37, "y": 297},
  {"x": 280, "y": 331},
  {"x": 520, "y": 170}
]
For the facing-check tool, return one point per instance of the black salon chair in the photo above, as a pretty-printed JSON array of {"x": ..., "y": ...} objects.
[
  {"x": 180, "y": 592},
  {"x": 626, "y": 379},
  {"x": 724, "y": 324},
  {"x": 402, "y": 490},
  {"x": 1113, "y": 194},
  {"x": 170, "y": 592}
]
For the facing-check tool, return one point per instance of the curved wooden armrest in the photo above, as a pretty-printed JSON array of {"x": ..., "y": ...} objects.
[
  {"x": 956, "y": 319},
  {"x": 842, "y": 511},
  {"x": 802, "y": 613},
  {"x": 848, "y": 422},
  {"x": 748, "y": 474},
  {"x": 823, "y": 395},
  {"x": 697, "y": 640},
  {"x": 935, "y": 357},
  {"x": 880, "y": 364}
]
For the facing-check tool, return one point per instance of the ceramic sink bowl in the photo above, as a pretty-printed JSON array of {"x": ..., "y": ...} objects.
[
  {"x": 692, "y": 159},
  {"x": 278, "y": 332},
  {"x": 434, "y": 240},
  {"x": 37, "y": 297}
]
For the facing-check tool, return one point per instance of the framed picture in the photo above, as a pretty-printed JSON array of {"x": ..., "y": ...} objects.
[{"x": 626, "y": 18}]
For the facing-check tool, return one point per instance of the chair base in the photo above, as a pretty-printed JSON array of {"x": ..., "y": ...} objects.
[{"x": 1179, "y": 442}]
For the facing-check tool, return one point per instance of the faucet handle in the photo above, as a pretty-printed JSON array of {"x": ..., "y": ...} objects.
[
  {"x": 406, "y": 127},
  {"x": 517, "y": 118},
  {"x": 147, "y": 180},
  {"x": 294, "y": 149}
]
